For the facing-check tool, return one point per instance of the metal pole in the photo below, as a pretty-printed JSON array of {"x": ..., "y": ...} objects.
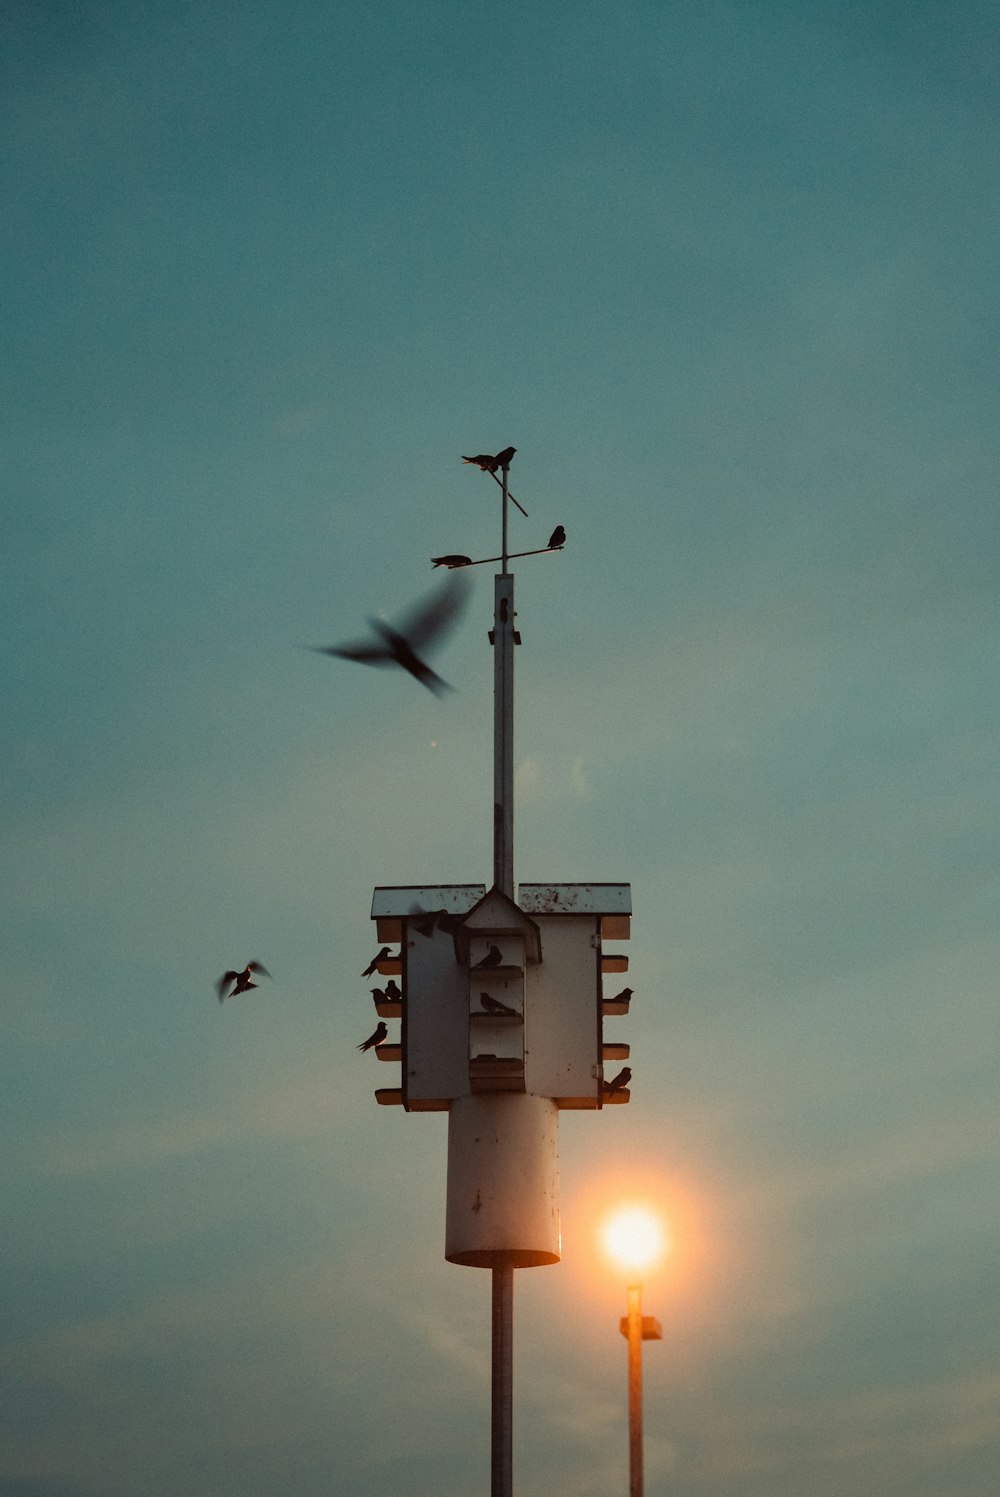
[
  {"x": 502, "y": 1423},
  {"x": 503, "y": 721},
  {"x": 635, "y": 1390}
]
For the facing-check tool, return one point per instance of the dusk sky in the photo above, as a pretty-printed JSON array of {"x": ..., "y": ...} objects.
[{"x": 726, "y": 275}]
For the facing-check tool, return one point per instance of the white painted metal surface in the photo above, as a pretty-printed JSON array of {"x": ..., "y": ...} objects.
[{"x": 503, "y": 1180}]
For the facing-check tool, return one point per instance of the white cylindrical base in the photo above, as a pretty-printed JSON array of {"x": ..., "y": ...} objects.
[{"x": 503, "y": 1180}]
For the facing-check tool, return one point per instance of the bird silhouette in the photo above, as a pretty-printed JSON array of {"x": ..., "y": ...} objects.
[
  {"x": 558, "y": 537},
  {"x": 431, "y": 918},
  {"x": 425, "y": 625},
  {"x": 392, "y": 991},
  {"x": 619, "y": 1083},
  {"x": 378, "y": 994},
  {"x": 623, "y": 996},
  {"x": 494, "y": 1006},
  {"x": 376, "y": 1037},
  {"x": 491, "y": 464},
  {"x": 375, "y": 961},
  {"x": 493, "y": 958},
  {"x": 241, "y": 979},
  {"x": 452, "y": 560}
]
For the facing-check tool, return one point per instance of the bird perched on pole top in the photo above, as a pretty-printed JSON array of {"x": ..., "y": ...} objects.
[
  {"x": 491, "y": 464},
  {"x": 241, "y": 979}
]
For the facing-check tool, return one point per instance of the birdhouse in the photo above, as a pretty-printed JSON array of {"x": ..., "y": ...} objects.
[{"x": 503, "y": 996}]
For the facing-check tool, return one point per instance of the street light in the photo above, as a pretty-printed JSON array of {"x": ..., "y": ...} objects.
[{"x": 633, "y": 1238}]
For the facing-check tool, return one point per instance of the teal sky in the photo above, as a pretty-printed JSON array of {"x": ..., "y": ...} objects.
[{"x": 726, "y": 276}]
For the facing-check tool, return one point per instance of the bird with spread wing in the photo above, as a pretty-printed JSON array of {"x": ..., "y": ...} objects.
[{"x": 425, "y": 625}]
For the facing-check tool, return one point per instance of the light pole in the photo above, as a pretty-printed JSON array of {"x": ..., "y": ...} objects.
[{"x": 633, "y": 1238}]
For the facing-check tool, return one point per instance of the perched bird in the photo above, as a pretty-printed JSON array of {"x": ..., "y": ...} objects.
[
  {"x": 620, "y": 1082},
  {"x": 422, "y": 626},
  {"x": 451, "y": 561},
  {"x": 494, "y": 1006},
  {"x": 392, "y": 991},
  {"x": 378, "y": 994},
  {"x": 493, "y": 958},
  {"x": 241, "y": 979},
  {"x": 623, "y": 996},
  {"x": 439, "y": 918},
  {"x": 375, "y": 961},
  {"x": 558, "y": 537},
  {"x": 376, "y": 1037},
  {"x": 491, "y": 464}
]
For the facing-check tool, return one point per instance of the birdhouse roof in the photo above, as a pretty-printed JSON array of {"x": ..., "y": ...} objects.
[
  {"x": 419, "y": 899},
  {"x": 575, "y": 899},
  {"x": 497, "y": 915}
]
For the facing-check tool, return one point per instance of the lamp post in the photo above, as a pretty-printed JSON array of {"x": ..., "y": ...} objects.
[{"x": 633, "y": 1238}]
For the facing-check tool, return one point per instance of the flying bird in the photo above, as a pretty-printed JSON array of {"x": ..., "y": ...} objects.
[
  {"x": 392, "y": 991},
  {"x": 376, "y": 1037},
  {"x": 623, "y": 996},
  {"x": 241, "y": 979},
  {"x": 425, "y": 624},
  {"x": 558, "y": 537},
  {"x": 375, "y": 961},
  {"x": 494, "y": 1006},
  {"x": 620, "y": 1082},
  {"x": 493, "y": 958},
  {"x": 452, "y": 560}
]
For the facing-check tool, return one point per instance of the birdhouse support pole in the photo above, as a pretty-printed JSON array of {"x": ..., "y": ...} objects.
[
  {"x": 503, "y": 734},
  {"x": 502, "y": 1420}
]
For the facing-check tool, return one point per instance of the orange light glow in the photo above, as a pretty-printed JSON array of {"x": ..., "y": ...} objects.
[{"x": 634, "y": 1238}]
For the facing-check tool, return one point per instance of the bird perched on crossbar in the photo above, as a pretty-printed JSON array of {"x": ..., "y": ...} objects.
[
  {"x": 452, "y": 560},
  {"x": 557, "y": 538},
  {"x": 426, "y": 624},
  {"x": 619, "y": 1083},
  {"x": 376, "y": 1037},
  {"x": 242, "y": 980}
]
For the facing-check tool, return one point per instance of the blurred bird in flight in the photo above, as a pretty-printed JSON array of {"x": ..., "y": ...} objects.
[
  {"x": 425, "y": 625},
  {"x": 241, "y": 979}
]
